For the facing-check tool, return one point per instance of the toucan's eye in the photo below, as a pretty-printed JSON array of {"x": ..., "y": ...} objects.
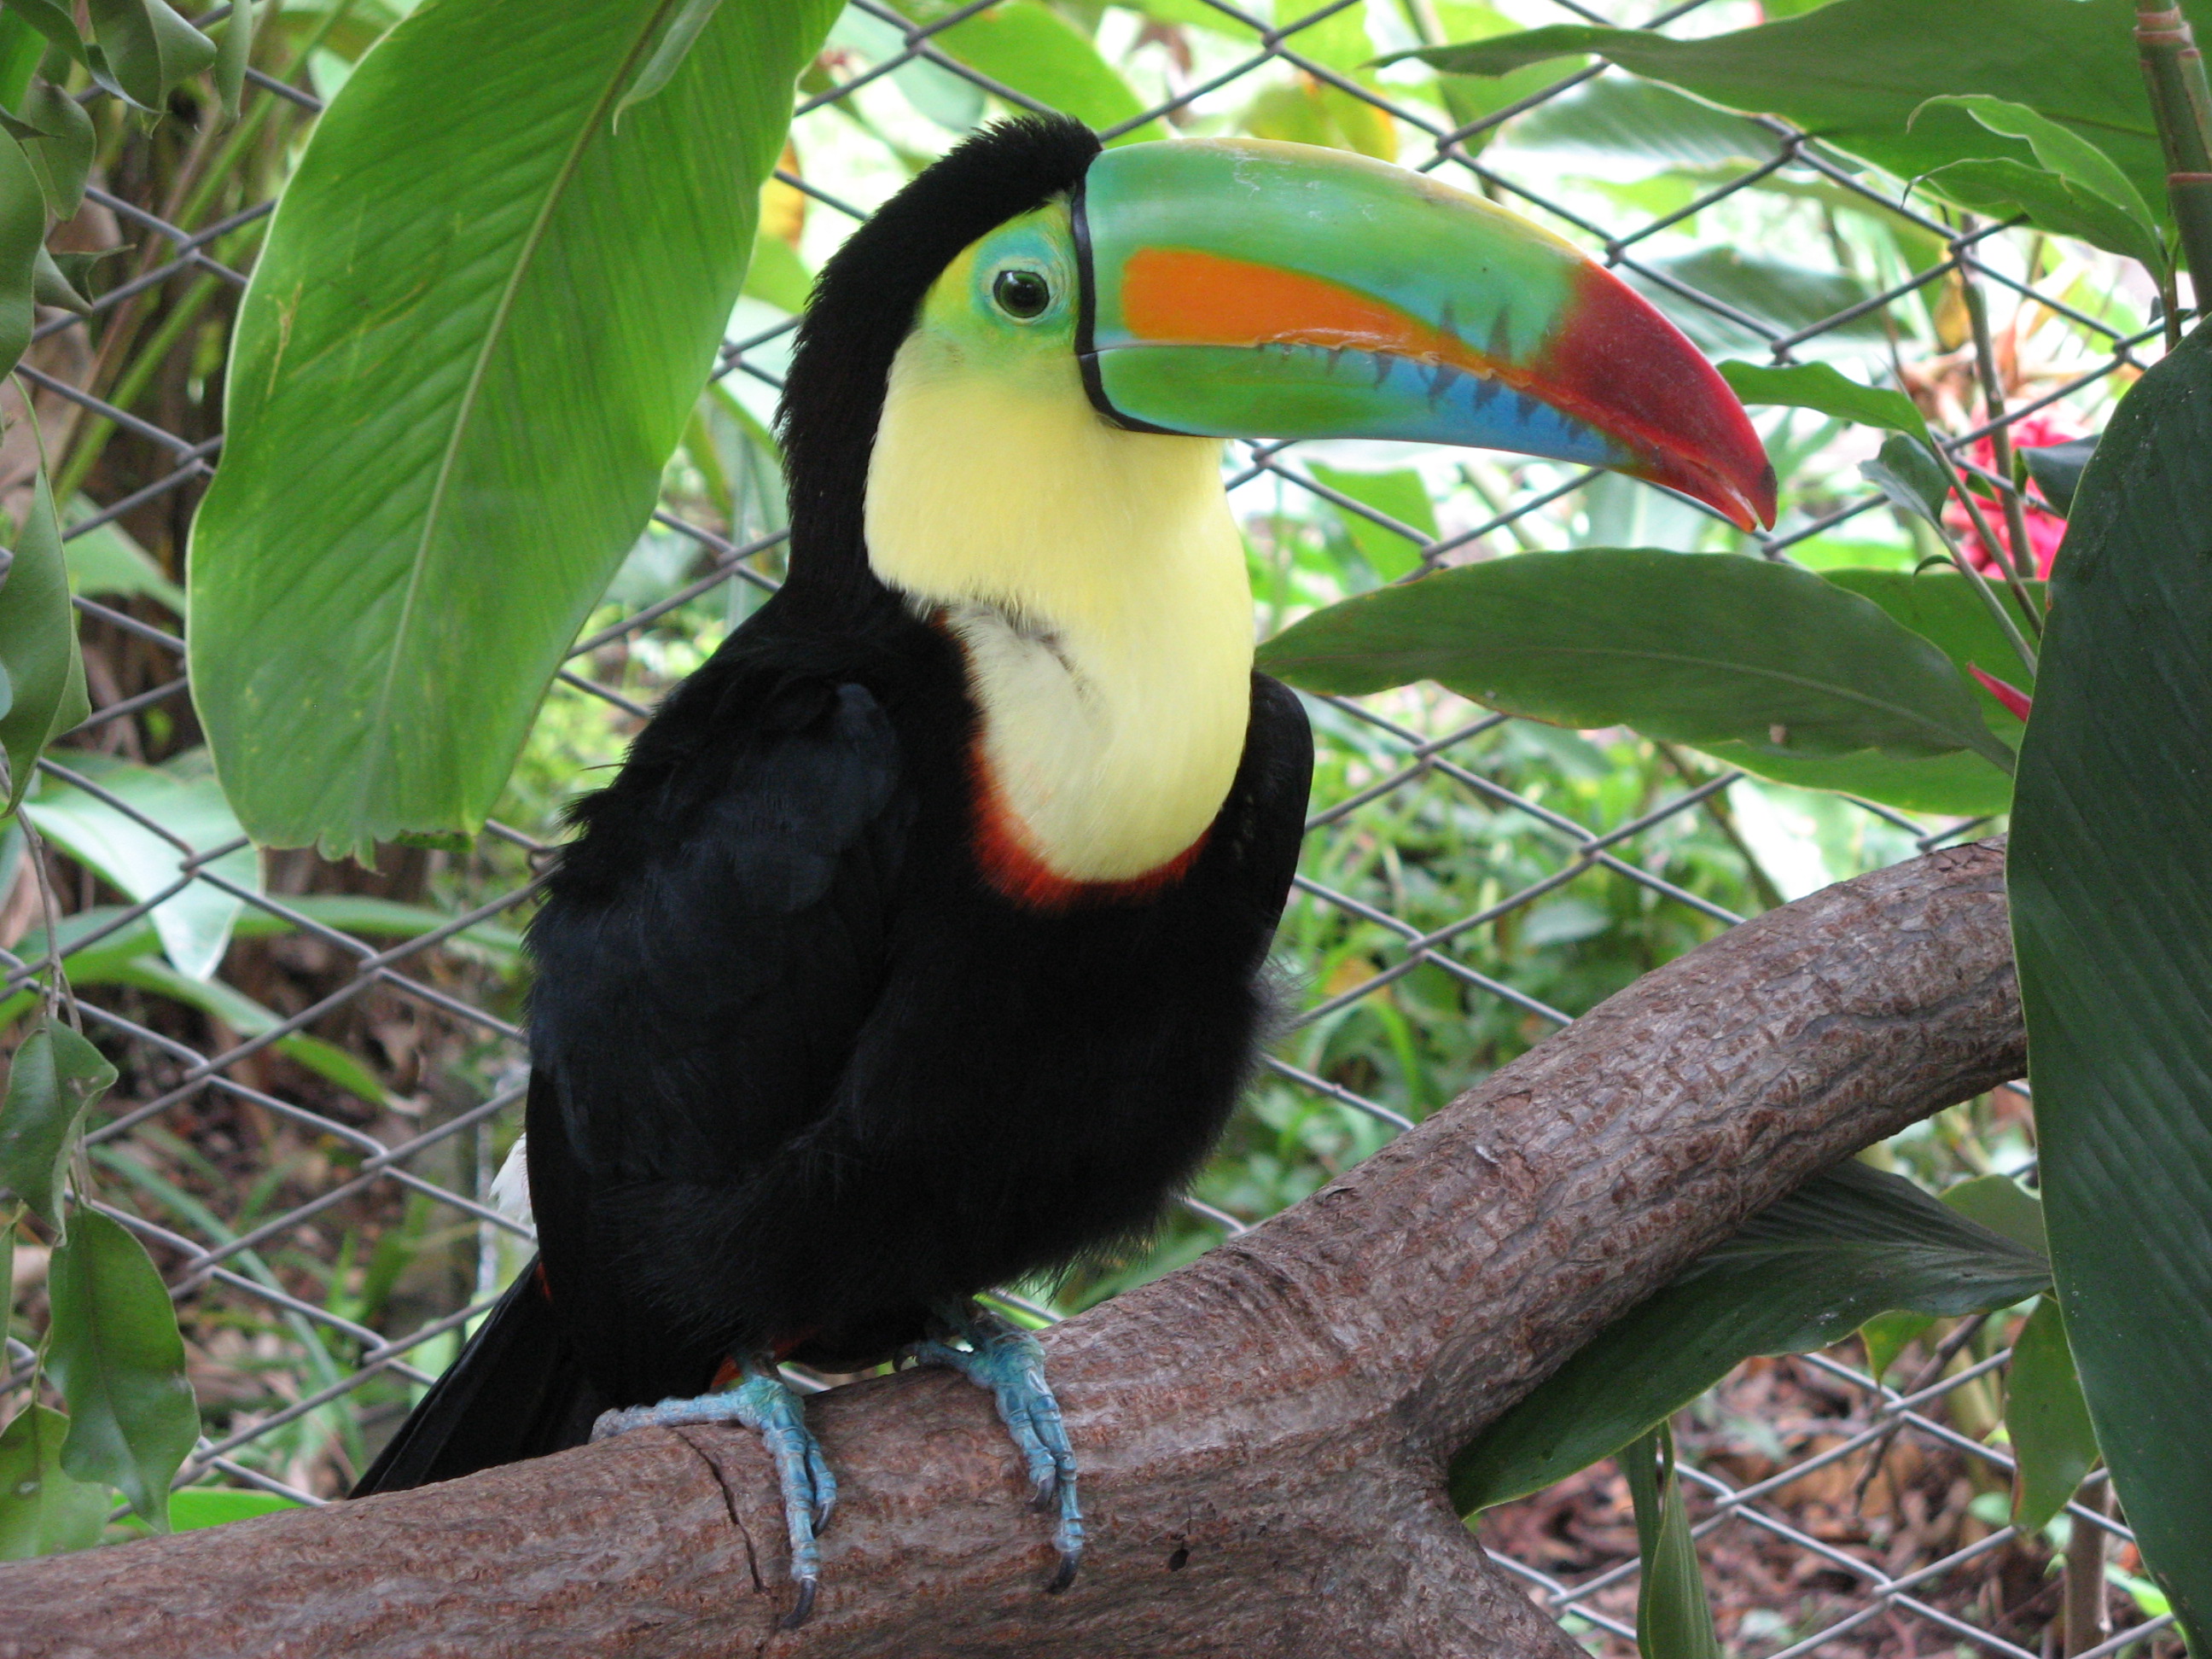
[{"x": 1023, "y": 294}]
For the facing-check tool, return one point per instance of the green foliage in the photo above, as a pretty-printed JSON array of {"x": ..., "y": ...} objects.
[
  {"x": 378, "y": 604},
  {"x": 144, "y": 49},
  {"x": 2111, "y": 883},
  {"x": 1908, "y": 473},
  {"x": 181, "y": 796},
  {"x": 115, "y": 1352},
  {"x": 44, "y": 1510},
  {"x": 1034, "y": 50},
  {"x": 1856, "y": 72},
  {"x": 45, "y": 671},
  {"x": 1819, "y": 387},
  {"x": 1799, "y": 1275},
  {"x": 1399, "y": 495},
  {"x": 1701, "y": 650},
  {"x": 52, "y": 1081},
  {"x": 2046, "y": 1419},
  {"x": 1674, "y": 1620},
  {"x": 59, "y": 147},
  {"x": 1940, "y": 607},
  {"x": 2057, "y": 469}
]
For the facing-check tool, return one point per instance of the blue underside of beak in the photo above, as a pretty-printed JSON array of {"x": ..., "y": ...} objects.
[{"x": 1315, "y": 391}]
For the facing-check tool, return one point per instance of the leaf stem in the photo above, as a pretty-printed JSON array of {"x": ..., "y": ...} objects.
[
  {"x": 2182, "y": 104},
  {"x": 1965, "y": 565},
  {"x": 2016, "y": 557}
]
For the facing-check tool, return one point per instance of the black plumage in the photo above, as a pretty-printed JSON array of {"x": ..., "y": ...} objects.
[{"x": 801, "y": 1071}]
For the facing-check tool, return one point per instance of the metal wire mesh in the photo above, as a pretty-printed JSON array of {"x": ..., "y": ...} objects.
[{"x": 280, "y": 1263}]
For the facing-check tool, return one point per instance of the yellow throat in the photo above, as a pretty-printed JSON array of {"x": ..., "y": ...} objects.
[{"x": 1096, "y": 580}]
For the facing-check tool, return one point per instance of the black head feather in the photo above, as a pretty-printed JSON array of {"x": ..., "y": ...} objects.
[{"x": 863, "y": 305}]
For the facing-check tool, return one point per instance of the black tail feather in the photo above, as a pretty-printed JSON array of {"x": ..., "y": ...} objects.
[{"x": 515, "y": 1392}]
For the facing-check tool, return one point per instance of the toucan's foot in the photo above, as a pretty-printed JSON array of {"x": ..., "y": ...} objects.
[
  {"x": 763, "y": 1404},
  {"x": 1010, "y": 1363}
]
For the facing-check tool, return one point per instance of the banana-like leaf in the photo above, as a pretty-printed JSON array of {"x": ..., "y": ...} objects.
[
  {"x": 1803, "y": 1273},
  {"x": 1787, "y": 297},
  {"x": 1939, "y": 606},
  {"x": 2111, "y": 883},
  {"x": 1699, "y": 649},
  {"x": 1855, "y": 72},
  {"x": 115, "y": 1352},
  {"x": 380, "y": 600}
]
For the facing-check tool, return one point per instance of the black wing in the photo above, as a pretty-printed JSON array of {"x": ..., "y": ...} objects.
[{"x": 711, "y": 947}]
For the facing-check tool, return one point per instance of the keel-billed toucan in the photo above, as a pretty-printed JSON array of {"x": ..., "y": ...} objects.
[{"x": 917, "y": 947}]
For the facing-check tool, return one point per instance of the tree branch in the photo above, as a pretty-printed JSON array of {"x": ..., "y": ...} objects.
[{"x": 1262, "y": 1434}]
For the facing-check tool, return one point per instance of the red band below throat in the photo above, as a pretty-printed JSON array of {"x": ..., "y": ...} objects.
[{"x": 1003, "y": 855}]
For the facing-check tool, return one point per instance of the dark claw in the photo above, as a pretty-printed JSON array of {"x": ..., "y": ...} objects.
[
  {"x": 1065, "y": 1574},
  {"x": 804, "y": 1610}
]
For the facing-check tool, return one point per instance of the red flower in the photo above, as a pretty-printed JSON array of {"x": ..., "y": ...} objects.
[{"x": 2046, "y": 529}]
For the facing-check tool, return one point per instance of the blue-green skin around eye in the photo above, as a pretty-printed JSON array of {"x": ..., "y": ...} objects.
[{"x": 961, "y": 311}]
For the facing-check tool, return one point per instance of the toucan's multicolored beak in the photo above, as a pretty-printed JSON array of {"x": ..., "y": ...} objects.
[{"x": 1237, "y": 287}]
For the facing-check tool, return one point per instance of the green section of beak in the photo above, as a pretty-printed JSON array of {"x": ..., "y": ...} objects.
[{"x": 1244, "y": 289}]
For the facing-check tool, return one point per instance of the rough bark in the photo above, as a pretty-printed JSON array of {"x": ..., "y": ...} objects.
[{"x": 1262, "y": 1434}]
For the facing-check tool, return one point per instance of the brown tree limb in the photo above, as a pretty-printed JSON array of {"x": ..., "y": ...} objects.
[{"x": 1262, "y": 1434}]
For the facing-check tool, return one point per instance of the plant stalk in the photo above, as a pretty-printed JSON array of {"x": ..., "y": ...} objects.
[
  {"x": 2017, "y": 556},
  {"x": 2087, "y": 1620},
  {"x": 2181, "y": 103}
]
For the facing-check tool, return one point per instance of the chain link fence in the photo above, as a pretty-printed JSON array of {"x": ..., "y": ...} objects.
[{"x": 307, "y": 1141}]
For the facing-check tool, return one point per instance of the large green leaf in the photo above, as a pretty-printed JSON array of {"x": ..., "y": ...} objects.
[
  {"x": 460, "y": 367},
  {"x": 38, "y": 644},
  {"x": 184, "y": 799},
  {"x": 1940, "y": 607},
  {"x": 1848, "y": 1245},
  {"x": 2111, "y": 877},
  {"x": 52, "y": 1081},
  {"x": 1695, "y": 648},
  {"x": 116, "y": 1355},
  {"x": 43, "y": 1511},
  {"x": 1854, "y": 72},
  {"x": 1610, "y": 120}
]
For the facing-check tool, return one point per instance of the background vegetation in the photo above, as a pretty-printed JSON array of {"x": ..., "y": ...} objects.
[{"x": 1472, "y": 879}]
